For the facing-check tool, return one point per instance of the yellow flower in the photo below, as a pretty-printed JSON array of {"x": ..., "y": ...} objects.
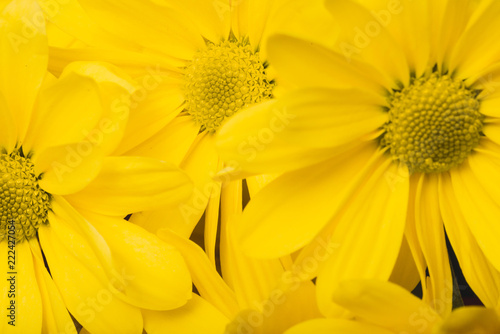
[
  {"x": 64, "y": 196},
  {"x": 199, "y": 63},
  {"x": 383, "y": 308},
  {"x": 391, "y": 132}
]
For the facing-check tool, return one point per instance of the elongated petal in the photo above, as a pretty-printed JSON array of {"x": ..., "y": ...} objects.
[
  {"x": 479, "y": 209},
  {"x": 205, "y": 277},
  {"x": 8, "y": 127},
  {"x": 154, "y": 26},
  {"x": 200, "y": 163},
  {"x": 55, "y": 315},
  {"x": 20, "y": 299},
  {"x": 304, "y": 64},
  {"x": 251, "y": 279},
  {"x": 196, "y": 317},
  {"x": 288, "y": 213},
  {"x": 131, "y": 184},
  {"x": 386, "y": 305},
  {"x": 23, "y": 45},
  {"x": 369, "y": 232},
  {"x": 300, "y": 129},
  {"x": 430, "y": 232},
  {"x": 88, "y": 293},
  {"x": 480, "y": 274},
  {"x": 171, "y": 143},
  {"x": 328, "y": 326},
  {"x": 405, "y": 271},
  {"x": 471, "y": 319},
  {"x": 362, "y": 37},
  {"x": 476, "y": 50},
  {"x": 156, "y": 276}
]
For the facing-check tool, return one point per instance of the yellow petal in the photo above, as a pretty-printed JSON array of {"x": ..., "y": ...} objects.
[
  {"x": 157, "y": 277},
  {"x": 70, "y": 17},
  {"x": 131, "y": 184},
  {"x": 171, "y": 143},
  {"x": 328, "y": 326},
  {"x": 369, "y": 232},
  {"x": 67, "y": 109},
  {"x": 362, "y": 37},
  {"x": 155, "y": 104},
  {"x": 479, "y": 208},
  {"x": 205, "y": 277},
  {"x": 471, "y": 319},
  {"x": 8, "y": 130},
  {"x": 154, "y": 26},
  {"x": 405, "y": 271},
  {"x": 196, "y": 317},
  {"x": 480, "y": 274},
  {"x": 302, "y": 128},
  {"x": 304, "y": 64},
  {"x": 212, "y": 221},
  {"x": 23, "y": 46},
  {"x": 251, "y": 279},
  {"x": 430, "y": 232},
  {"x": 21, "y": 301},
  {"x": 200, "y": 163},
  {"x": 475, "y": 50},
  {"x": 275, "y": 223},
  {"x": 55, "y": 315},
  {"x": 92, "y": 300},
  {"x": 387, "y": 305}
]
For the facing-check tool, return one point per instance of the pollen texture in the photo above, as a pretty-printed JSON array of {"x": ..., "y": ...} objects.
[
  {"x": 24, "y": 205},
  {"x": 222, "y": 79},
  {"x": 434, "y": 124}
]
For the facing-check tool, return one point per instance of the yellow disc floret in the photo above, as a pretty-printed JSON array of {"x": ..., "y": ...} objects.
[
  {"x": 222, "y": 79},
  {"x": 24, "y": 205},
  {"x": 434, "y": 124}
]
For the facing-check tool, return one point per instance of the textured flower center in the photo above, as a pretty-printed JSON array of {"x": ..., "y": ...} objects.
[
  {"x": 434, "y": 124},
  {"x": 24, "y": 204},
  {"x": 222, "y": 79}
]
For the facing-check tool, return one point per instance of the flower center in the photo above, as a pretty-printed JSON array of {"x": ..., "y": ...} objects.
[
  {"x": 434, "y": 124},
  {"x": 23, "y": 204},
  {"x": 222, "y": 79}
]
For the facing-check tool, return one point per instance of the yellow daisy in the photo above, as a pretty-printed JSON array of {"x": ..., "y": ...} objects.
[
  {"x": 384, "y": 308},
  {"x": 66, "y": 250},
  {"x": 393, "y": 131},
  {"x": 199, "y": 62}
]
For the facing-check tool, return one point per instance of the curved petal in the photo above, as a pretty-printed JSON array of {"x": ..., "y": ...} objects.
[
  {"x": 172, "y": 143},
  {"x": 88, "y": 293},
  {"x": 475, "y": 50},
  {"x": 369, "y": 233},
  {"x": 155, "y": 105},
  {"x": 405, "y": 271},
  {"x": 252, "y": 280},
  {"x": 328, "y": 326},
  {"x": 362, "y": 37},
  {"x": 196, "y": 317},
  {"x": 8, "y": 127},
  {"x": 131, "y": 184},
  {"x": 56, "y": 317},
  {"x": 200, "y": 163},
  {"x": 472, "y": 319},
  {"x": 480, "y": 274},
  {"x": 23, "y": 46},
  {"x": 20, "y": 294},
  {"x": 288, "y": 213},
  {"x": 386, "y": 305},
  {"x": 156, "y": 275},
  {"x": 300, "y": 129},
  {"x": 430, "y": 232},
  {"x": 205, "y": 277},
  {"x": 152, "y": 25},
  {"x": 479, "y": 207},
  {"x": 304, "y": 64}
]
